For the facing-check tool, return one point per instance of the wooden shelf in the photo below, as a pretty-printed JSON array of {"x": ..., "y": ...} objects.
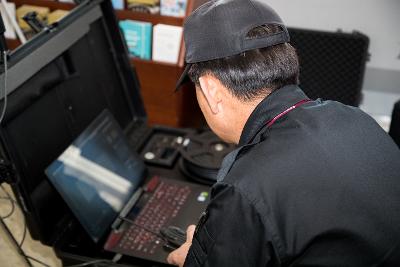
[
  {"x": 135, "y": 60},
  {"x": 50, "y": 4},
  {"x": 152, "y": 18},
  {"x": 13, "y": 43}
]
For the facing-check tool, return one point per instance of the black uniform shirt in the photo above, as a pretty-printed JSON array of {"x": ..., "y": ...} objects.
[{"x": 320, "y": 187}]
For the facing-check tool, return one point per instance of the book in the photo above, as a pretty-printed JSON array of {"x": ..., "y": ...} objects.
[
  {"x": 144, "y": 2},
  {"x": 144, "y": 8},
  {"x": 138, "y": 37},
  {"x": 10, "y": 32},
  {"x": 175, "y": 8},
  {"x": 166, "y": 43},
  {"x": 118, "y": 4}
]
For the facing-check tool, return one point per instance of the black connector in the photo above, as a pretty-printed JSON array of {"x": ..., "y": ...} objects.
[{"x": 31, "y": 18}]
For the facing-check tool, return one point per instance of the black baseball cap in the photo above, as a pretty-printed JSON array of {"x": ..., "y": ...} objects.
[{"x": 218, "y": 29}]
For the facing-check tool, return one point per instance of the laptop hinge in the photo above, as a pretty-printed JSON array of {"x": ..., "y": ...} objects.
[{"x": 128, "y": 207}]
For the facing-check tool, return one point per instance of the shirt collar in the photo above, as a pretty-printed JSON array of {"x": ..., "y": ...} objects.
[{"x": 275, "y": 103}]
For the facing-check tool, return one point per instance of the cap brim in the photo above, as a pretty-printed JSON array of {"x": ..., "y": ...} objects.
[{"x": 184, "y": 78}]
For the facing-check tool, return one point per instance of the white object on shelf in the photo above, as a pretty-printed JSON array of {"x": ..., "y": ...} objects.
[
  {"x": 10, "y": 32},
  {"x": 13, "y": 21},
  {"x": 166, "y": 43}
]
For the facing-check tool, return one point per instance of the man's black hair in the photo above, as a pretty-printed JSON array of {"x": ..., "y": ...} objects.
[{"x": 256, "y": 72}]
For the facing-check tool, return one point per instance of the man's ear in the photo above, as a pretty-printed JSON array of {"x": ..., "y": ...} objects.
[{"x": 211, "y": 89}]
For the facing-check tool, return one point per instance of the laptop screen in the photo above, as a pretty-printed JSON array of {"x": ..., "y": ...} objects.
[{"x": 97, "y": 174}]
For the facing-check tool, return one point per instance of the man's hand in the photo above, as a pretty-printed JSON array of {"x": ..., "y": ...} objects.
[{"x": 178, "y": 256}]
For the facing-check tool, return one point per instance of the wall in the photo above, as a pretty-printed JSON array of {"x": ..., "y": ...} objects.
[{"x": 379, "y": 19}]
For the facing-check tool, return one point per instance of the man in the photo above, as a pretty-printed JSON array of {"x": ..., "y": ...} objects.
[{"x": 313, "y": 183}]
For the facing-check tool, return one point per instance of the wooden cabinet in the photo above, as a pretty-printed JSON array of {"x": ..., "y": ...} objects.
[{"x": 157, "y": 79}]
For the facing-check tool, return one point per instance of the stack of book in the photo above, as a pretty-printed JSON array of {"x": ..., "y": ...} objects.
[
  {"x": 146, "y": 6},
  {"x": 174, "y": 8},
  {"x": 160, "y": 43}
]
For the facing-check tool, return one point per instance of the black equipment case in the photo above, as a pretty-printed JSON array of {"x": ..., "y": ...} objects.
[
  {"x": 332, "y": 64},
  {"x": 58, "y": 83}
]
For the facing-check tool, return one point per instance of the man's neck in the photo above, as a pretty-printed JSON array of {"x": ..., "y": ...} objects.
[{"x": 241, "y": 112}]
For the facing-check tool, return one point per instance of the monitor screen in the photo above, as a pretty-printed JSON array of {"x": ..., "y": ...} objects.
[{"x": 97, "y": 174}]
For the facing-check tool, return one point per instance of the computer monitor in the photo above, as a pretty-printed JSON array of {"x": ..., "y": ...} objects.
[{"x": 97, "y": 174}]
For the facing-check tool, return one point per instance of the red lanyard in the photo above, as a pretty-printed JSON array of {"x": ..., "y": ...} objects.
[{"x": 283, "y": 113}]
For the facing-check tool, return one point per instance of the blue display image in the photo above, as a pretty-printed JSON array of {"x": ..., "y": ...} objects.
[{"x": 97, "y": 174}]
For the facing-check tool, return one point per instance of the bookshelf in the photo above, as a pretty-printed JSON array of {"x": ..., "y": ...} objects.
[
  {"x": 50, "y": 4},
  {"x": 157, "y": 79}
]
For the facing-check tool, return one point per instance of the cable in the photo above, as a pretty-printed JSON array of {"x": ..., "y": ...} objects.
[
  {"x": 27, "y": 257},
  {"x": 21, "y": 252},
  {"x": 142, "y": 227},
  {"x": 23, "y": 235},
  {"x": 3, "y": 47},
  {"x": 38, "y": 261},
  {"x": 12, "y": 208},
  {"x": 170, "y": 242},
  {"x": 14, "y": 242},
  {"x": 167, "y": 243},
  {"x": 90, "y": 263},
  {"x": 5, "y": 86},
  {"x": 12, "y": 201},
  {"x": 5, "y": 192},
  {"x": 109, "y": 261}
]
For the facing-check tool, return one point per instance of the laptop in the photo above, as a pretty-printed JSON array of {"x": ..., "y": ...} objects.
[{"x": 106, "y": 185}]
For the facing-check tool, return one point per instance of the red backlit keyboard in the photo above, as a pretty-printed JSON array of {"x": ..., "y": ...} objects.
[{"x": 163, "y": 205}]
